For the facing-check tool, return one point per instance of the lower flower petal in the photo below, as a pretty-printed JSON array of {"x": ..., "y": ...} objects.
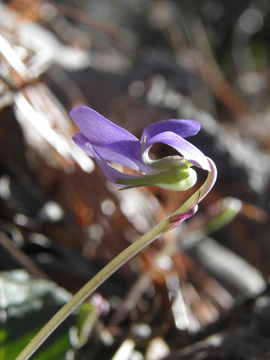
[
  {"x": 112, "y": 174},
  {"x": 83, "y": 143},
  {"x": 109, "y": 154}
]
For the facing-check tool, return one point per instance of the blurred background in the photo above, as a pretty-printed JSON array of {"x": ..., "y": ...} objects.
[{"x": 199, "y": 292}]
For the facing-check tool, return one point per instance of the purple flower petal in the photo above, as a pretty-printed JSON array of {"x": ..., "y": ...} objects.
[
  {"x": 181, "y": 127},
  {"x": 111, "y": 173},
  {"x": 84, "y": 144},
  {"x": 189, "y": 151},
  {"x": 112, "y": 142}
]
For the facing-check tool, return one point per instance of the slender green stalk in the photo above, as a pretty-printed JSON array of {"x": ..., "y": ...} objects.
[
  {"x": 116, "y": 263},
  {"x": 91, "y": 286}
]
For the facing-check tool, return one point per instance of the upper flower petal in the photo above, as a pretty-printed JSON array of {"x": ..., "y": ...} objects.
[
  {"x": 189, "y": 151},
  {"x": 181, "y": 127},
  {"x": 112, "y": 142}
]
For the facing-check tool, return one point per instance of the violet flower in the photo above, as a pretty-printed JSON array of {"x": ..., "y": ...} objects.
[{"x": 109, "y": 143}]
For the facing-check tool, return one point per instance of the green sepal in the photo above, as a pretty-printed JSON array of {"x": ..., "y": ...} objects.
[{"x": 177, "y": 178}]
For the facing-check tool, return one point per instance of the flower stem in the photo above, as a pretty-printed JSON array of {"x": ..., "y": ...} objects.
[
  {"x": 115, "y": 264},
  {"x": 91, "y": 286}
]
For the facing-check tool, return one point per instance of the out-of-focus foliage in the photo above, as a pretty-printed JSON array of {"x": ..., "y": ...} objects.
[{"x": 25, "y": 305}]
